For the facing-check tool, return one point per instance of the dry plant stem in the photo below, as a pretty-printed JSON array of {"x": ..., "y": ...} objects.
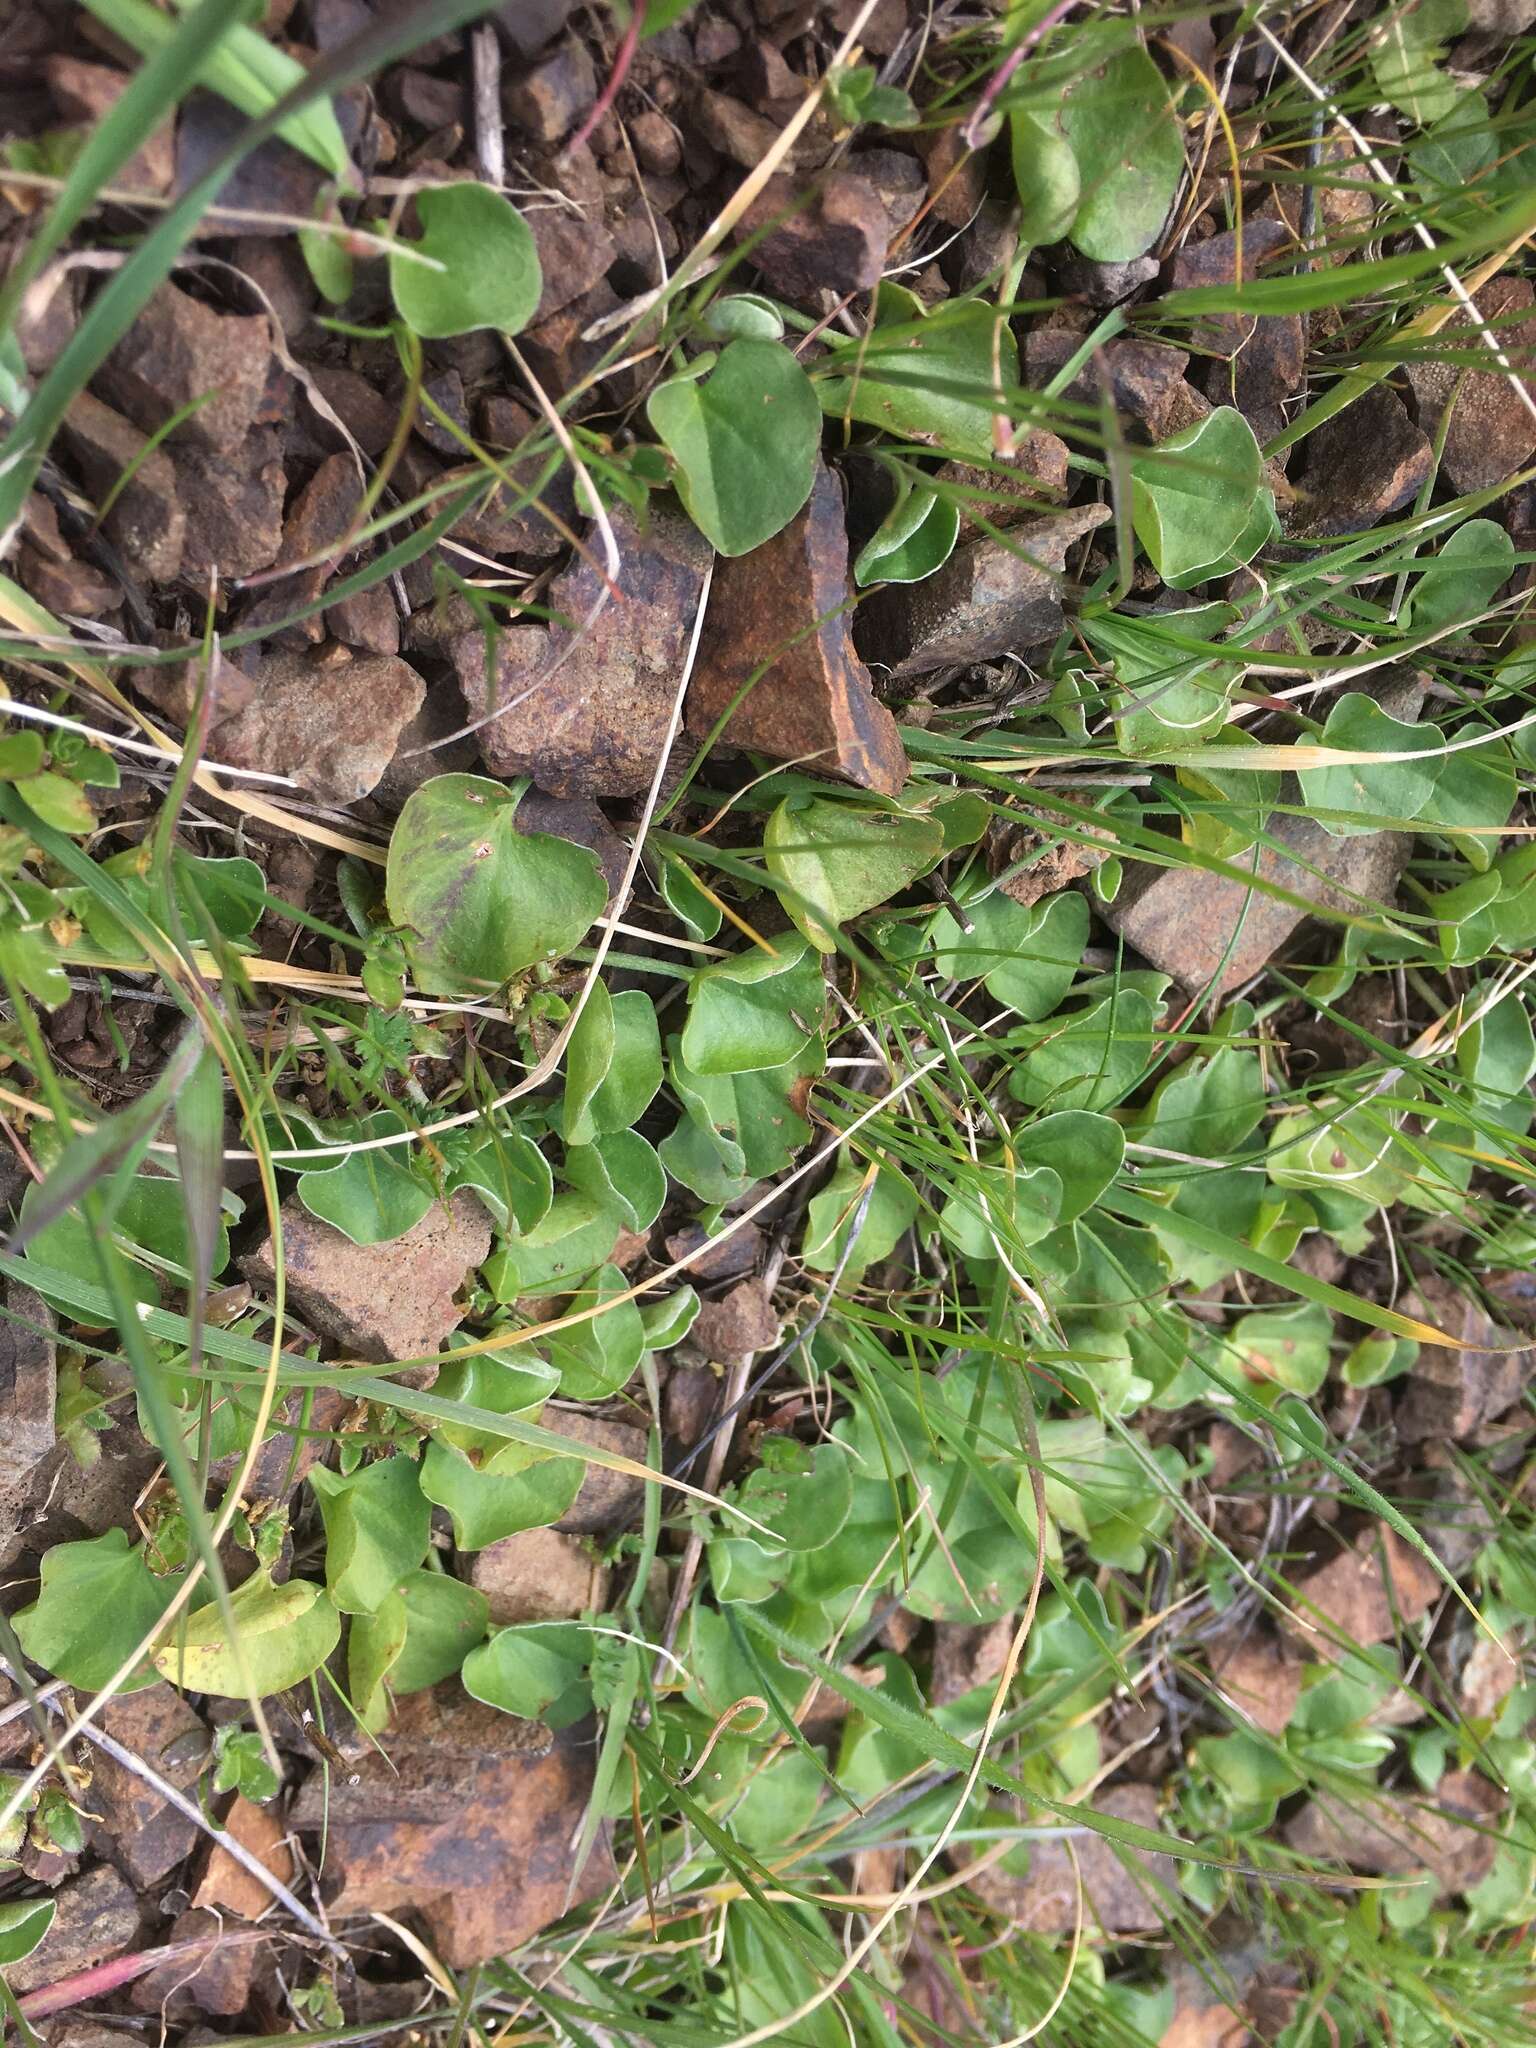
[
  {"x": 102, "y": 1979},
  {"x": 490, "y": 135},
  {"x": 189, "y": 1810}
]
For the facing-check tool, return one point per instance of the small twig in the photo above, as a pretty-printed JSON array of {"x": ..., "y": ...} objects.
[
  {"x": 623, "y": 57},
  {"x": 490, "y": 136},
  {"x": 102, "y": 1979}
]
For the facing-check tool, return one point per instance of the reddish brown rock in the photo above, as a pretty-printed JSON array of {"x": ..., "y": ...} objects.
[
  {"x": 1003, "y": 493},
  {"x": 144, "y": 1832},
  {"x": 736, "y": 1325},
  {"x": 227, "y": 1886},
  {"x": 1255, "y": 1674},
  {"x": 87, "y": 93},
  {"x": 607, "y": 1498},
  {"x": 1120, "y": 1887},
  {"x": 380, "y": 1301},
  {"x": 234, "y": 508},
  {"x": 1268, "y": 355},
  {"x": 990, "y": 598},
  {"x": 179, "y": 350},
  {"x": 732, "y": 128},
  {"x": 1207, "y": 930},
  {"x": 1492, "y": 428},
  {"x": 574, "y": 252},
  {"x": 957, "y": 179},
  {"x": 548, "y": 101},
  {"x": 538, "y": 1575},
  {"x": 1364, "y": 463},
  {"x": 1450, "y": 1835},
  {"x": 332, "y": 725},
  {"x": 1449, "y": 1394},
  {"x": 967, "y": 1654},
  {"x": 97, "y": 1917},
  {"x": 467, "y": 1822},
  {"x": 1363, "y": 1595},
  {"x": 69, "y": 589},
  {"x": 211, "y": 1974},
  {"x": 778, "y": 620},
  {"x": 368, "y": 621},
  {"x": 595, "y": 699},
  {"x": 28, "y": 1391},
  {"x": 147, "y": 520},
  {"x": 834, "y": 241}
]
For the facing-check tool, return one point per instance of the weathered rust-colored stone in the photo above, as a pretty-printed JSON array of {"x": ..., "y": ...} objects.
[{"x": 779, "y": 615}]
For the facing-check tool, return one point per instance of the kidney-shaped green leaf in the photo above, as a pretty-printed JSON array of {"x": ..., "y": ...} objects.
[
  {"x": 744, "y": 437},
  {"x": 97, "y": 1600},
  {"x": 480, "y": 900},
  {"x": 285, "y": 1632},
  {"x": 490, "y": 275},
  {"x": 377, "y": 1527}
]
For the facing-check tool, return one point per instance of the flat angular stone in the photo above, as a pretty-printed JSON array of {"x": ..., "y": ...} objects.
[
  {"x": 380, "y": 1301},
  {"x": 538, "y": 1575},
  {"x": 28, "y": 1385},
  {"x": 234, "y": 507},
  {"x": 145, "y": 1834},
  {"x": 989, "y": 599},
  {"x": 834, "y": 242},
  {"x": 1361, "y": 1595},
  {"x": 780, "y": 614},
  {"x": 332, "y": 725},
  {"x": 1450, "y": 1834},
  {"x": 1206, "y": 930},
  {"x": 1364, "y": 463},
  {"x": 147, "y": 521},
  {"x": 87, "y": 93},
  {"x": 607, "y": 1498},
  {"x": 179, "y": 350},
  {"x": 97, "y": 1917},
  {"x": 1450, "y": 1394},
  {"x": 594, "y": 725},
  {"x": 467, "y": 1821},
  {"x": 1492, "y": 428}
]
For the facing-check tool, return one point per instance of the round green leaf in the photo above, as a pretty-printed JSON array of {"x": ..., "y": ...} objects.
[
  {"x": 1193, "y": 495},
  {"x": 1026, "y": 955},
  {"x": 490, "y": 275},
  {"x": 1462, "y": 579},
  {"x": 488, "y": 1502},
  {"x": 1045, "y": 171},
  {"x": 745, "y": 438},
  {"x": 752, "y": 1011},
  {"x": 537, "y": 1671},
  {"x": 23, "y": 1924},
  {"x": 444, "y": 1619},
  {"x": 1120, "y": 123},
  {"x": 923, "y": 376},
  {"x": 377, "y": 1528},
  {"x": 1394, "y": 789},
  {"x": 370, "y": 1196},
  {"x": 835, "y": 860},
  {"x": 97, "y": 1600},
  {"x": 286, "y": 1632},
  {"x": 915, "y": 537},
  {"x": 480, "y": 900}
]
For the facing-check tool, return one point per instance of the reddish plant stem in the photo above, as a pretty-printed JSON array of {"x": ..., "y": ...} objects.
[
  {"x": 623, "y": 57},
  {"x": 970, "y": 134}
]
